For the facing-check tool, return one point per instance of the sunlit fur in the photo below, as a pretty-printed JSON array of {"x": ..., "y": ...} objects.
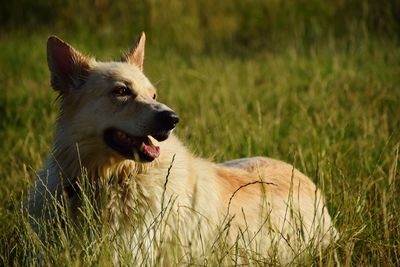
[{"x": 274, "y": 206}]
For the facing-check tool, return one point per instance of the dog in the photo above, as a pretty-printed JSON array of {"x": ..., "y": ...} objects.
[{"x": 112, "y": 129}]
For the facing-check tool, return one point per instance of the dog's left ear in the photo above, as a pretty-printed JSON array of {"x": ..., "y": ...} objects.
[
  {"x": 136, "y": 53},
  {"x": 67, "y": 66}
]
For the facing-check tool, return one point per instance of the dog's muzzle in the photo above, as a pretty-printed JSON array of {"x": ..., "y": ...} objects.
[
  {"x": 167, "y": 119},
  {"x": 141, "y": 148}
]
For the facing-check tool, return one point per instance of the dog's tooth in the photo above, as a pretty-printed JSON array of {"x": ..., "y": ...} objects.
[{"x": 150, "y": 140}]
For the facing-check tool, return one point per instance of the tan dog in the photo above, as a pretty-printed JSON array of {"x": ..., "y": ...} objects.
[{"x": 111, "y": 125}]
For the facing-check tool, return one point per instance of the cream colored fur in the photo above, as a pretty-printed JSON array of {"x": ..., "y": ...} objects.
[{"x": 272, "y": 205}]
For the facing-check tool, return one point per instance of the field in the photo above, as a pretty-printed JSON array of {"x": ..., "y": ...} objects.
[{"x": 331, "y": 108}]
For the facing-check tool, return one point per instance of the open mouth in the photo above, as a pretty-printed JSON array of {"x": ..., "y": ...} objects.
[{"x": 138, "y": 148}]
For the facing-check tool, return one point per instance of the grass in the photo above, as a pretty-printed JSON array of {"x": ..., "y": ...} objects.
[{"x": 332, "y": 109}]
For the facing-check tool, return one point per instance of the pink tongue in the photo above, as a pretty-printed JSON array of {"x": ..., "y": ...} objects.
[{"x": 151, "y": 150}]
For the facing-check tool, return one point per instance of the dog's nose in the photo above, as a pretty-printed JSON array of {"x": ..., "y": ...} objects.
[{"x": 168, "y": 119}]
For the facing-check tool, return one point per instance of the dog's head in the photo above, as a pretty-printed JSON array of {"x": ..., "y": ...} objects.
[{"x": 111, "y": 105}]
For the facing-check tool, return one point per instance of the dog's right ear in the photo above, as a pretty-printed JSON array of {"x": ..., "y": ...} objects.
[
  {"x": 135, "y": 55},
  {"x": 67, "y": 66}
]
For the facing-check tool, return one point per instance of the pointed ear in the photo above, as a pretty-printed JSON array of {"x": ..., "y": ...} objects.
[
  {"x": 136, "y": 53},
  {"x": 69, "y": 68}
]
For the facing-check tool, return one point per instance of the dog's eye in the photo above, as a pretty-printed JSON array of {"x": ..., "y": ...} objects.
[
  {"x": 154, "y": 96},
  {"x": 122, "y": 91}
]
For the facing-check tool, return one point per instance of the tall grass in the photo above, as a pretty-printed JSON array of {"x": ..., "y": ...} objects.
[{"x": 328, "y": 103}]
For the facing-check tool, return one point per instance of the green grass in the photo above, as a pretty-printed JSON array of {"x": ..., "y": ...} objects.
[{"x": 332, "y": 109}]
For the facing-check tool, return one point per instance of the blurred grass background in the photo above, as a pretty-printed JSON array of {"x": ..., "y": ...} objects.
[
  {"x": 314, "y": 83},
  {"x": 202, "y": 26}
]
